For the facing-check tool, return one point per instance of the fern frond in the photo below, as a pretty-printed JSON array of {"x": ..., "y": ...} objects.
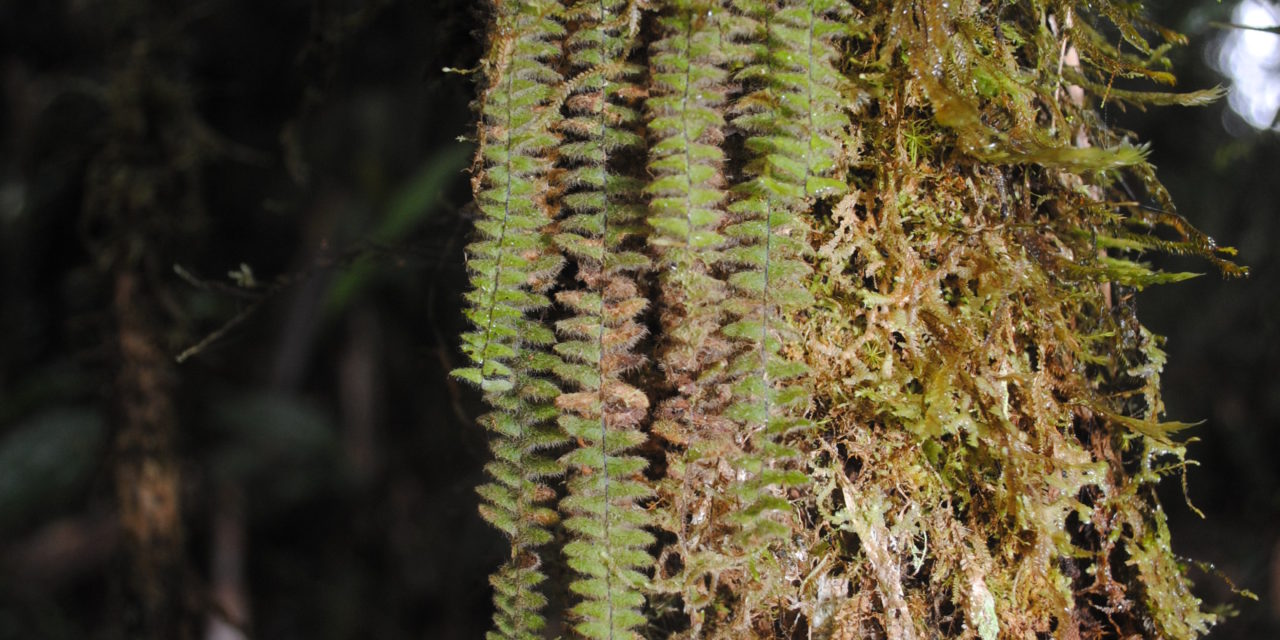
[
  {"x": 687, "y": 212},
  {"x": 794, "y": 113},
  {"x": 512, "y": 264},
  {"x": 604, "y": 215},
  {"x": 522, "y": 425}
]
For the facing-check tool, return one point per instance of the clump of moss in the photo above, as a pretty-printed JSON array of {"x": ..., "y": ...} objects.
[{"x": 990, "y": 401}]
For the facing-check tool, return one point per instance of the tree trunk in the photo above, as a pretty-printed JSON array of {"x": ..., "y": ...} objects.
[
  {"x": 147, "y": 474},
  {"x": 142, "y": 190}
]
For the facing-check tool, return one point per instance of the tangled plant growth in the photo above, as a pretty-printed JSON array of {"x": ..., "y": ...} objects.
[{"x": 814, "y": 318}]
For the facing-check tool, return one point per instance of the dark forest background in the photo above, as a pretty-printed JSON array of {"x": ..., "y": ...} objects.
[{"x": 286, "y": 178}]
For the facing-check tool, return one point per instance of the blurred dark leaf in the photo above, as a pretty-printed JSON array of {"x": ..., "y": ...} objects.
[{"x": 45, "y": 463}]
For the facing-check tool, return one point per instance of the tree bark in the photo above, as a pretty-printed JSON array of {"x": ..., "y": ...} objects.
[{"x": 147, "y": 473}]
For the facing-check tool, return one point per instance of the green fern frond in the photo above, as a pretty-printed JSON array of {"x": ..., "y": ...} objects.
[
  {"x": 688, "y": 83},
  {"x": 522, "y": 425},
  {"x": 513, "y": 264},
  {"x": 686, "y": 191},
  {"x": 604, "y": 216},
  {"x": 794, "y": 115}
]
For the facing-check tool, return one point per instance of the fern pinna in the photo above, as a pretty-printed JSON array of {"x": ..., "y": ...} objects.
[
  {"x": 604, "y": 213},
  {"x": 512, "y": 266}
]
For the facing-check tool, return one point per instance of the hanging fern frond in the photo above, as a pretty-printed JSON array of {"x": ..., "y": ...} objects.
[
  {"x": 687, "y": 213},
  {"x": 604, "y": 217},
  {"x": 794, "y": 112},
  {"x": 794, "y": 116},
  {"x": 686, "y": 105},
  {"x": 523, "y": 426},
  {"x": 513, "y": 264},
  {"x": 796, "y": 119}
]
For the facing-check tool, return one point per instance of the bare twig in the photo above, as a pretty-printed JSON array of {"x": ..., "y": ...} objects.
[{"x": 259, "y": 295}]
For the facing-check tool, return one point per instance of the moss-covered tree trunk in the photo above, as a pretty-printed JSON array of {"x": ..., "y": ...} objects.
[
  {"x": 892, "y": 383},
  {"x": 142, "y": 191}
]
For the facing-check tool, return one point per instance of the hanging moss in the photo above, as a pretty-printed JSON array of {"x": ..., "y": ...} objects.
[{"x": 896, "y": 385}]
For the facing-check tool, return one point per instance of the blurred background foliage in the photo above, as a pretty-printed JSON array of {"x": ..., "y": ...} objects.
[{"x": 328, "y": 462}]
